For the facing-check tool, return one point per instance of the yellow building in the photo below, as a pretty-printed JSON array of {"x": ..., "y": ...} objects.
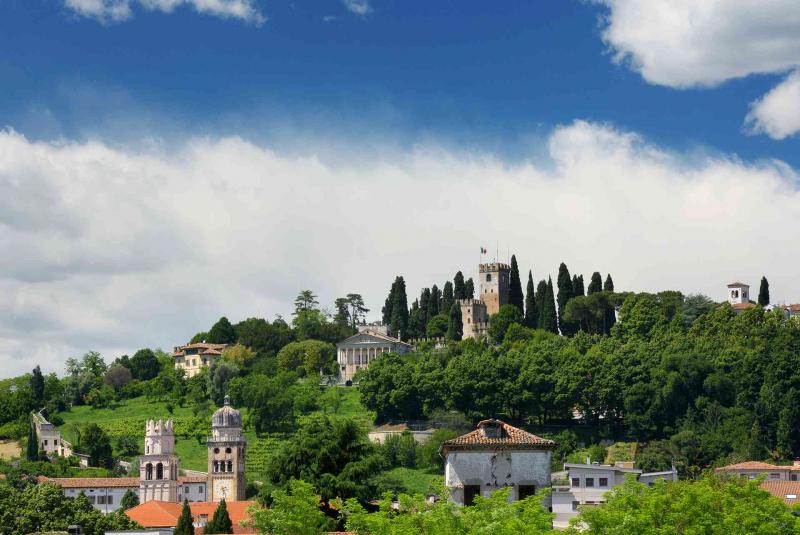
[{"x": 193, "y": 357}]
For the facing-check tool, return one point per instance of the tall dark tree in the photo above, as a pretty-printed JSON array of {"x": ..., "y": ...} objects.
[
  {"x": 37, "y": 385},
  {"x": 564, "y": 282},
  {"x": 222, "y": 332},
  {"x": 541, "y": 291},
  {"x": 531, "y": 308},
  {"x": 96, "y": 443},
  {"x": 608, "y": 285},
  {"x": 221, "y": 521},
  {"x": 129, "y": 499},
  {"x": 399, "y": 322},
  {"x": 184, "y": 525},
  {"x": 763, "y": 293},
  {"x": 358, "y": 310},
  {"x": 515, "y": 296},
  {"x": 577, "y": 286},
  {"x": 469, "y": 289},
  {"x": 424, "y": 306},
  {"x": 342, "y": 316},
  {"x": 447, "y": 297},
  {"x": 433, "y": 302},
  {"x": 549, "y": 319},
  {"x": 455, "y": 325},
  {"x": 305, "y": 301},
  {"x": 386, "y": 311},
  {"x": 459, "y": 286},
  {"x": 596, "y": 284},
  {"x": 32, "y": 452},
  {"x": 416, "y": 323}
]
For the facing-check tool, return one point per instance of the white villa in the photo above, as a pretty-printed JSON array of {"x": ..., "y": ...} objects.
[
  {"x": 356, "y": 353},
  {"x": 495, "y": 456}
]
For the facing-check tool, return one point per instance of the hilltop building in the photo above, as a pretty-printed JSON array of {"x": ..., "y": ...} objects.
[
  {"x": 495, "y": 281},
  {"x": 356, "y": 352},
  {"x": 194, "y": 357},
  {"x": 494, "y": 456},
  {"x": 159, "y": 479},
  {"x": 50, "y": 440},
  {"x": 739, "y": 299}
]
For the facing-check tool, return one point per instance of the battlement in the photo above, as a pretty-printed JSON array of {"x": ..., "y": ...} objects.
[
  {"x": 159, "y": 427},
  {"x": 469, "y": 302},
  {"x": 493, "y": 267}
]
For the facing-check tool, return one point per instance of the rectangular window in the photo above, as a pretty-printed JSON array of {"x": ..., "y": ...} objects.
[
  {"x": 200, "y": 490},
  {"x": 470, "y": 491},
  {"x": 576, "y": 482},
  {"x": 91, "y": 499},
  {"x": 101, "y": 500},
  {"x": 774, "y": 476},
  {"x": 523, "y": 491},
  {"x": 590, "y": 482},
  {"x": 575, "y": 505},
  {"x": 45, "y": 442},
  {"x": 603, "y": 482},
  {"x": 110, "y": 500},
  {"x": 793, "y": 477}
]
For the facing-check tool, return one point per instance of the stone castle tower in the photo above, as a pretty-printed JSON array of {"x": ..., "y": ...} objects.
[
  {"x": 226, "y": 451},
  {"x": 495, "y": 281},
  {"x": 158, "y": 467}
]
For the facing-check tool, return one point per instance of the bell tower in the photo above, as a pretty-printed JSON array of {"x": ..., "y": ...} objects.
[
  {"x": 226, "y": 451},
  {"x": 158, "y": 467}
]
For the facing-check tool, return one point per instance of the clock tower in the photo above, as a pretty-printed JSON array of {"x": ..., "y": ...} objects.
[{"x": 226, "y": 450}]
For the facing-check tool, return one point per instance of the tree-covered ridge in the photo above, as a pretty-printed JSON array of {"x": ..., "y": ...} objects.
[{"x": 698, "y": 383}]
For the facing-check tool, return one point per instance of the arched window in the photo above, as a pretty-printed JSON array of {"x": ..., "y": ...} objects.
[
  {"x": 216, "y": 466},
  {"x": 230, "y": 466},
  {"x": 159, "y": 471},
  {"x": 148, "y": 472}
]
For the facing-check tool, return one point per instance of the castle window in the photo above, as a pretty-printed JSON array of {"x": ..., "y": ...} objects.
[
  {"x": 230, "y": 466},
  {"x": 227, "y": 450},
  {"x": 488, "y": 277},
  {"x": 216, "y": 450}
]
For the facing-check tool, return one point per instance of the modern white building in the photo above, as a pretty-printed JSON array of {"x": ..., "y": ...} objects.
[
  {"x": 358, "y": 351},
  {"x": 587, "y": 485},
  {"x": 496, "y": 456}
]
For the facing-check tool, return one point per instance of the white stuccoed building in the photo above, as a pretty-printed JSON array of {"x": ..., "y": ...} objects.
[{"x": 496, "y": 456}]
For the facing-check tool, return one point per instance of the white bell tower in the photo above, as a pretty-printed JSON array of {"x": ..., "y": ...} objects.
[
  {"x": 158, "y": 467},
  {"x": 738, "y": 293}
]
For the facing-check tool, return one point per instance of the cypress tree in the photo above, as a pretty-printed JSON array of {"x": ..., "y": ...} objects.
[
  {"x": 424, "y": 306},
  {"x": 531, "y": 308},
  {"x": 459, "y": 287},
  {"x": 221, "y": 522},
  {"x": 515, "y": 296},
  {"x": 549, "y": 318},
  {"x": 469, "y": 290},
  {"x": 32, "y": 452},
  {"x": 596, "y": 284},
  {"x": 447, "y": 297},
  {"x": 564, "y": 283},
  {"x": 577, "y": 286},
  {"x": 415, "y": 322},
  {"x": 37, "y": 384},
  {"x": 387, "y": 305},
  {"x": 455, "y": 326},
  {"x": 608, "y": 286},
  {"x": 541, "y": 292},
  {"x": 184, "y": 525},
  {"x": 433, "y": 304},
  {"x": 399, "y": 323},
  {"x": 763, "y": 293}
]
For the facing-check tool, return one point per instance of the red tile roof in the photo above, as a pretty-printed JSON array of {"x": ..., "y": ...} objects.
[
  {"x": 758, "y": 466},
  {"x": 507, "y": 437},
  {"x": 788, "y": 491},
  {"x": 91, "y": 482},
  {"x": 742, "y": 306},
  {"x": 155, "y": 514}
]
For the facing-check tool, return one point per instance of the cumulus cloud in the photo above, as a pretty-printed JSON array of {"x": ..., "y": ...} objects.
[
  {"x": 359, "y": 7},
  {"x": 114, "y": 249},
  {"x": 120, "y": 10},
  {"x": 777, "y": 113},
  {"x": 685, "y": 43}
]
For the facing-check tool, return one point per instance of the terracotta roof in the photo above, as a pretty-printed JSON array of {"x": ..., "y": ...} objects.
[
  {"x": 758, "y": 465},
  {"x": 211, "y": 352},
  {"x": 91, "y": 482},
  {"x": 192, "y": 479},
  {"x": 155, "y": 514},
  {"x": 788, "y": 491},
  {"x": 742, "y": 306},
  {"x": 507, "y": 437},
  {"x": 181, "y": 350}
]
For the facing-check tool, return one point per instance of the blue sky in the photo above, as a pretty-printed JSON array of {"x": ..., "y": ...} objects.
[
  {"x": 167, "y": 162},
  {"x": 466, "y": 71}
]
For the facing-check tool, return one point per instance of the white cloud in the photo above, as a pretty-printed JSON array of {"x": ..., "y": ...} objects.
[
  {"x": 119, "y": 10},
  {"x": 115, "y": 249},
  {"x": 777, "y": 113},
  {"x": 685, "y": 43},
  {"x": 359, "y": 7}
]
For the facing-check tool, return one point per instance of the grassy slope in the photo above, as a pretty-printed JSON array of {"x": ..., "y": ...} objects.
[{"x": 339, "y": 401}]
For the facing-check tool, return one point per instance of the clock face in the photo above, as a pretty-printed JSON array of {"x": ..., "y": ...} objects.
[{"x": 222, "y": 489}]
